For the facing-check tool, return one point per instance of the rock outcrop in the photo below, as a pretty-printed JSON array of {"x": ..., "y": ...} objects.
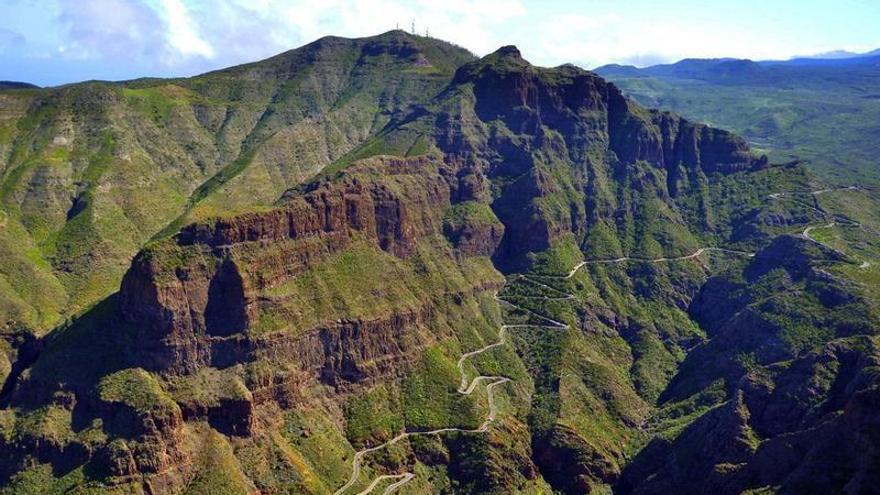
[{"x": 194, "y": 298}]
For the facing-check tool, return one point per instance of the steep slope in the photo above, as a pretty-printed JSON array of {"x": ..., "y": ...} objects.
[{"x": 89, "y": 172}]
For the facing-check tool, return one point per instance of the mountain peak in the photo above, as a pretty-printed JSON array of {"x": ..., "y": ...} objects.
[
  {"x": 509, "y": 51},
  {"x": 503, "y": 60}
]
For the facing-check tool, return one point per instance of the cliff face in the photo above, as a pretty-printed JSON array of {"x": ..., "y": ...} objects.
[
  {"x": 195, "y": 297},
  {"x": 565, "y": 151},
  {"x": 579, "y": 104}
]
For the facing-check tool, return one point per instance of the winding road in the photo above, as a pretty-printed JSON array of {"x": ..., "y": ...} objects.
[
  {"x": 693, "y": 255},
  {"x": 806, "y": 233},
  {"x": 403, "y": 478},
  {"x": 836, "y": 219},
  {"x": 854, "y": 187},
  {"x": 467, "y": 387}
]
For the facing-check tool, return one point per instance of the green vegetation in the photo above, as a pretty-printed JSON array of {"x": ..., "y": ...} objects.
[
  {"x": 50, "y": 424},
  {"x": 317, "y": 447},
  {"x": 364, "y": 282},
  {"x": 826, "y": 116},
  {"x": 208, "y": 387},
  {"x": 373, "y": 417},
  {"x": 218, "y": 472},
  {"x": 430, "y": 398},
  {"x": 135, "y": 388},
  {"x": 469, "y": 213},
  {"x": 40, "y": 480}
]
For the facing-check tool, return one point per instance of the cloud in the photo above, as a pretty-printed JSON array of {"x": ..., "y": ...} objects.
[
  {"x": 646, "y": 59},
  {"x": 181, "y": 34},
  {"x": 114, "y": 29}
]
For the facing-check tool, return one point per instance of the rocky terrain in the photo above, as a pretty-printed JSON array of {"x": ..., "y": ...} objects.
[{"x": 416, "y": 270}]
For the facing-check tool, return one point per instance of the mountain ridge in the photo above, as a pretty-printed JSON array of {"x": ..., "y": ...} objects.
[{"x": 77, "y": 151}]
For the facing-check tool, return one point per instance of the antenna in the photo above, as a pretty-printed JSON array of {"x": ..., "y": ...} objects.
[
  {"x": 427, "y": 33},
  {"x": 413, "y": 26}
]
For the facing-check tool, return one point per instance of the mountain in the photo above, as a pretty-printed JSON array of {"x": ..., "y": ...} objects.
[
  {"x": 520, "y": 281},
  {"x": 821, "y": 111},
  {"x": 837, "y": 54},
  {"x": 90, "y": 172},
  {"x": 16, "y": 85}
]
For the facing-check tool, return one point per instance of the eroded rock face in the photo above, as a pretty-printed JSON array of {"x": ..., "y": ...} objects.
[
  {"x": 159, "y": 440},
  {"x": 197, "y": 294},
  {"x": 557, "y": 142},
  {"x": 476, "y": 239}
]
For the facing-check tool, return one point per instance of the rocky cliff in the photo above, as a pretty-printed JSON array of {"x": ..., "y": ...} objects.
[{"x": 205, "y": 288}]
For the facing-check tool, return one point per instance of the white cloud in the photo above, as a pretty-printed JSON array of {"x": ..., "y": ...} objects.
[
  {"x": 108, "y": 29},
  {"x": 184, "y": 37},
  {"x": 182, "y": 34}
]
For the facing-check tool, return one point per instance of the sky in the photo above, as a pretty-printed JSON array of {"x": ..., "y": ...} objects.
[{"x": 51, "y": 42}]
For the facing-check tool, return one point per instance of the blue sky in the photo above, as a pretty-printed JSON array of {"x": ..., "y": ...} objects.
[{"x": 51, "y": 42}]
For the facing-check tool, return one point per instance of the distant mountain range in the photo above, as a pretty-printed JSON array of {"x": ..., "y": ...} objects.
[
  {"x": 734, "y": 70},
  {"x": 838, "y": 54}
]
